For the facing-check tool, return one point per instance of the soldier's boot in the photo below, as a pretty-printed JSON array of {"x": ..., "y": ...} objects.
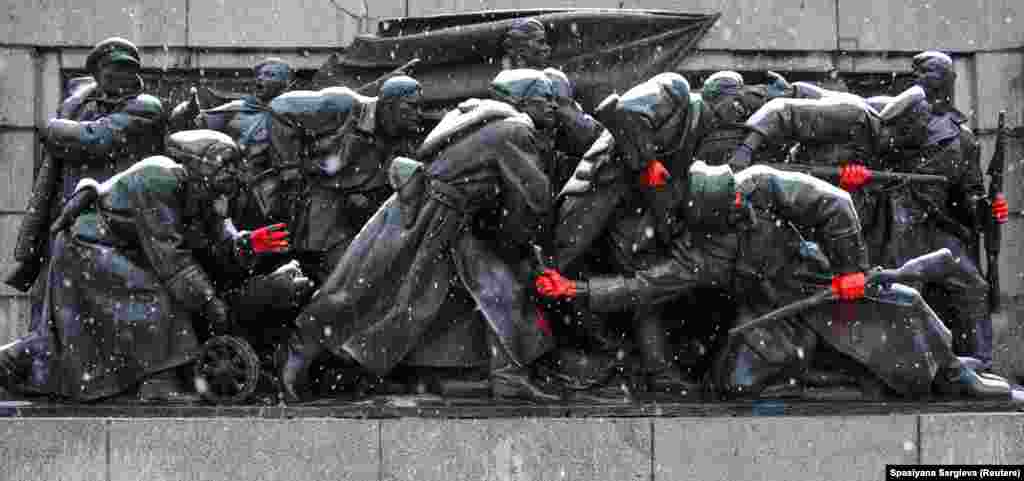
[
  {"x": 297, "y": 359},
  {"x": 15, "y": 363},
  {"x": 509, "y": 380},
  {"x": 167, "y": 387},
  {"x": 663, "y": 375},
  {"x": 960, "y": 380},
  {"x": 21, "y": 274},
  {"x": 973, "y": 338},
  {"x": 976, "y": 341},
  {"x": 971, "y": 321},
  {"x": 741, "y": 372}
]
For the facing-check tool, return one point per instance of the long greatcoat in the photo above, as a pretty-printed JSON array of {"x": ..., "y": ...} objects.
[
  {"x": 123, "y": 285},
  {"x": 403, "y": 272}
]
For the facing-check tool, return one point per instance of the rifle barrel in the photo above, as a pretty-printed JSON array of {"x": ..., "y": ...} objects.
[
  {"x": 994, "y": 233},
  {"x": 789, "y": 310},
  {"x": 833, "y": 172}
]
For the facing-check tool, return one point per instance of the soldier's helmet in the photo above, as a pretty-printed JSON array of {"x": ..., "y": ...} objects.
[
  {"x": 658, "y": 98},
  {"x": 711, "y": 196},
  {"x": 725, "y": 82},
  {"x": 399, "y": 86},
  {"x": 114, "y": 49},
  {"x": 563, "y": 87},
  {"x": 514, "y": 85},
  {"x": 645, "y": 119},
  {"x": 207, "y": 155}
]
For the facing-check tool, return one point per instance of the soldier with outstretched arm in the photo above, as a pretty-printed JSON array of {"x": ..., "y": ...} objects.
[
  {"x": 907, "y": 220},
  {"x": 744, "y": 235},
  {"x": 625, "y": 193},
  {"x": 105, "y": 125}
]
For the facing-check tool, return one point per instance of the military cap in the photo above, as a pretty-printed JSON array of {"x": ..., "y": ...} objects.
[
  {"x": 516, "y": 84},
  {"x": 114, "y": 49}
]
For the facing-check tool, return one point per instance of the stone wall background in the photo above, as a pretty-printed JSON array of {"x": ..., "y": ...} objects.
[{"x": 41, "y": 39}]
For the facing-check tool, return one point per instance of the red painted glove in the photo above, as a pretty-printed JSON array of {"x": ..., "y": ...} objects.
[
  {"x": 655, "y": 175},
  {"x": 552, "y": 284},
  {"x": 848, "y": 287},
  {"x": 853, "y": 176},
  {"x": 272, "y": 238},
  {"x": 1000, "y": 209}
]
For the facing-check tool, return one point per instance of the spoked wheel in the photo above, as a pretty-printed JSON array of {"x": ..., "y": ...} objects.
[{"x": 227, "y": 370}]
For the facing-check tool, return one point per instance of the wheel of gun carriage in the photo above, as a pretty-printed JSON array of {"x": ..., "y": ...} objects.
[{"x": 227, "y": 370}]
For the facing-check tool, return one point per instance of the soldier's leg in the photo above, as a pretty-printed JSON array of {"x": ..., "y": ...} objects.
[
  {"x": 633, "y": 246},
  {"x": 659, "y": 365},
  {"x": 584, "y": 219},
  {"x": 762, "y": 357},
  {"x": 967, "y": 291},
  {"x": 23, "y": 364}
]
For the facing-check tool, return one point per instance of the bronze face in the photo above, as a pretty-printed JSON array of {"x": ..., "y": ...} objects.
[
  {"x": 541, "y": 109},
  {"x": 401, "y": 115},
  {"x": 271, "y": 80},
  {"x": 118, "y": 78}
]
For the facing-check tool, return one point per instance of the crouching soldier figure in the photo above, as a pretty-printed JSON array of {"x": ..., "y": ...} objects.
[
  {"x": 745, "y": 233},
  {"x": 421, "y": 254},
  {"x": 125, "y": 284}
]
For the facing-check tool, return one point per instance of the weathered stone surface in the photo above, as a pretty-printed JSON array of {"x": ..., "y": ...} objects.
[
  {"x": 439, "y": 7},
  {"x": 250, "y": 449},
  {"x": 268, "y": 23},
  {"x": 303, "y": 59},
  {"x": 758, "y": 25},
  {"x": 516, "y": 449},
  {"x": 714, "y": 60},
  {"x": 930, "y": 24},
  {"x": 790, "y": 448},
  {"x": 17, "y": 157},
  {"x": 1000, "y": 87},
  {"x": 1007, "y": 356},
  {"x": 14, "y": 314},
  {"x": 73, "y": 22},
  {"x": 381, "y": 9},
  {"x": 963, "y": 92},
  {"x": 972, "y": 439},
  {"x": 49, "y": 449},
  {"x": 17, "y": 87},
  {"x": 50, "y": 92}
]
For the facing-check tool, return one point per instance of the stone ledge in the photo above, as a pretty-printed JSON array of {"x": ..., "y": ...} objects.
[
  {"x": 598, "y": 448},
  {"x": 534, "y": 449},
  {"x": 392, "y": 407},
  {"x": 791, "y": 448},
  {"x": 965, "y": 438},
  {"x": 250, "y": 449}
]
